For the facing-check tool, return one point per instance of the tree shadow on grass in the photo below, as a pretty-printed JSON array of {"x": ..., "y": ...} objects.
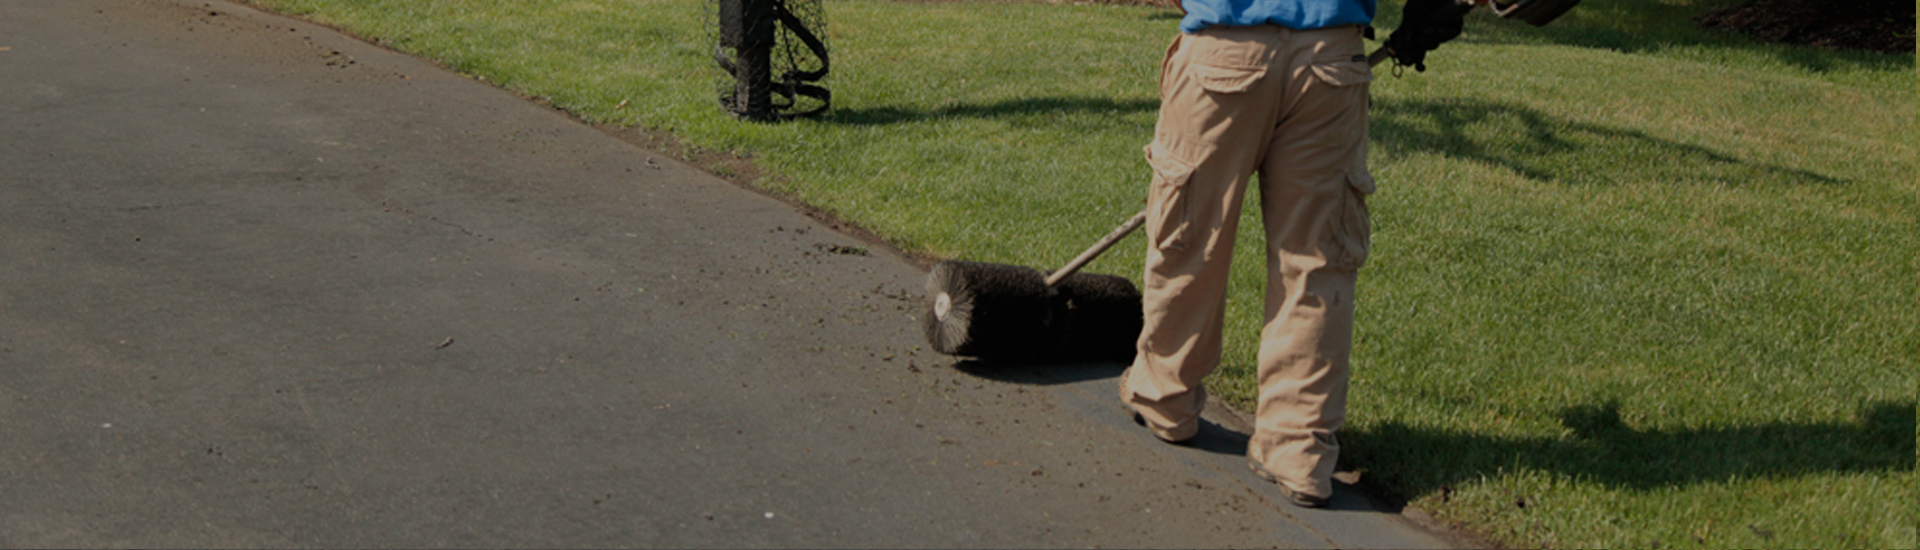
[
  {"x": 1644, "y": 26},
  {"x": 1546, "y": 148},
  {"x": 1407, "y": 462},
  {"x": 1018, "y": 108}
]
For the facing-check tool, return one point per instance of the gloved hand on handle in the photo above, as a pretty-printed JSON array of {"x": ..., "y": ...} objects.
[{"x": 1424, "y": 25}]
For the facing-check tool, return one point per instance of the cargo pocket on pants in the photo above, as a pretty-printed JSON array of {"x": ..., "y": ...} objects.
[
  {"x": 1352, "y": 228},
  {"x": 1172, "y": 216}
]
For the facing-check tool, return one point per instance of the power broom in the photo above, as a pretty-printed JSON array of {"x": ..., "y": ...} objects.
[{"x": 1009, "y": 313}]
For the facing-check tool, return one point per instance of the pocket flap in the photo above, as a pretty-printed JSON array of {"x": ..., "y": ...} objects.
[
  {"x": 1227, "y": 80},
  {"x": 1343, "y": 71}
]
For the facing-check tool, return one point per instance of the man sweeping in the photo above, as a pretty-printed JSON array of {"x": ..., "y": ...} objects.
[{"x": 1277, "y": 88}]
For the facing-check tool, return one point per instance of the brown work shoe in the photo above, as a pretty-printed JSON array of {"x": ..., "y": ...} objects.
[{"x": 1297, "y": 499}]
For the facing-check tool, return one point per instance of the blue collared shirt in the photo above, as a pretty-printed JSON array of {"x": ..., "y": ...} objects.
[{"x": 1292, "y": 14}]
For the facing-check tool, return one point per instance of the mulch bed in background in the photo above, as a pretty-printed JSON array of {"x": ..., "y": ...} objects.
[{"x": 1885, "y": 26}]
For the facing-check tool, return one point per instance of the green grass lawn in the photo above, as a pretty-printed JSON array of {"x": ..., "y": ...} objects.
[{"x": 1633, "y": 284}]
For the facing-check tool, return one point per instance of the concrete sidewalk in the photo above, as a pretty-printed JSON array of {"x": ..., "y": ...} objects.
[{"x": 262, "y": 285}]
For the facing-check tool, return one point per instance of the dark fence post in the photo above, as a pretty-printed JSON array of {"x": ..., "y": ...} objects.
[{"x": 763, "y": 45}]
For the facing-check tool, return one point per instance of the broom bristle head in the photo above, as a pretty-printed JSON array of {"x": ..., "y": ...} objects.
[
  {"x": 985, "y": 310},
  {"x": 1098, "y": 318}
]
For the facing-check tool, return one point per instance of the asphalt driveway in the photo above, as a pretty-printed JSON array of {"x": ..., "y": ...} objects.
[{"x": 263, "y": 285}]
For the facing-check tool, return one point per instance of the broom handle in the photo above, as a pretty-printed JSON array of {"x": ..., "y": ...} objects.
[
  {"x": 1099, "y": 247},
  {"x": 1379, "y": 55}
]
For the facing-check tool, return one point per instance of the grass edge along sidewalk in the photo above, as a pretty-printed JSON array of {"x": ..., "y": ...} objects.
[{"x": 1634, "y": 284}]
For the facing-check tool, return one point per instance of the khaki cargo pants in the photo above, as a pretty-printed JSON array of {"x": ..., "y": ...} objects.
[{"x": 1291, "y": 106}]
